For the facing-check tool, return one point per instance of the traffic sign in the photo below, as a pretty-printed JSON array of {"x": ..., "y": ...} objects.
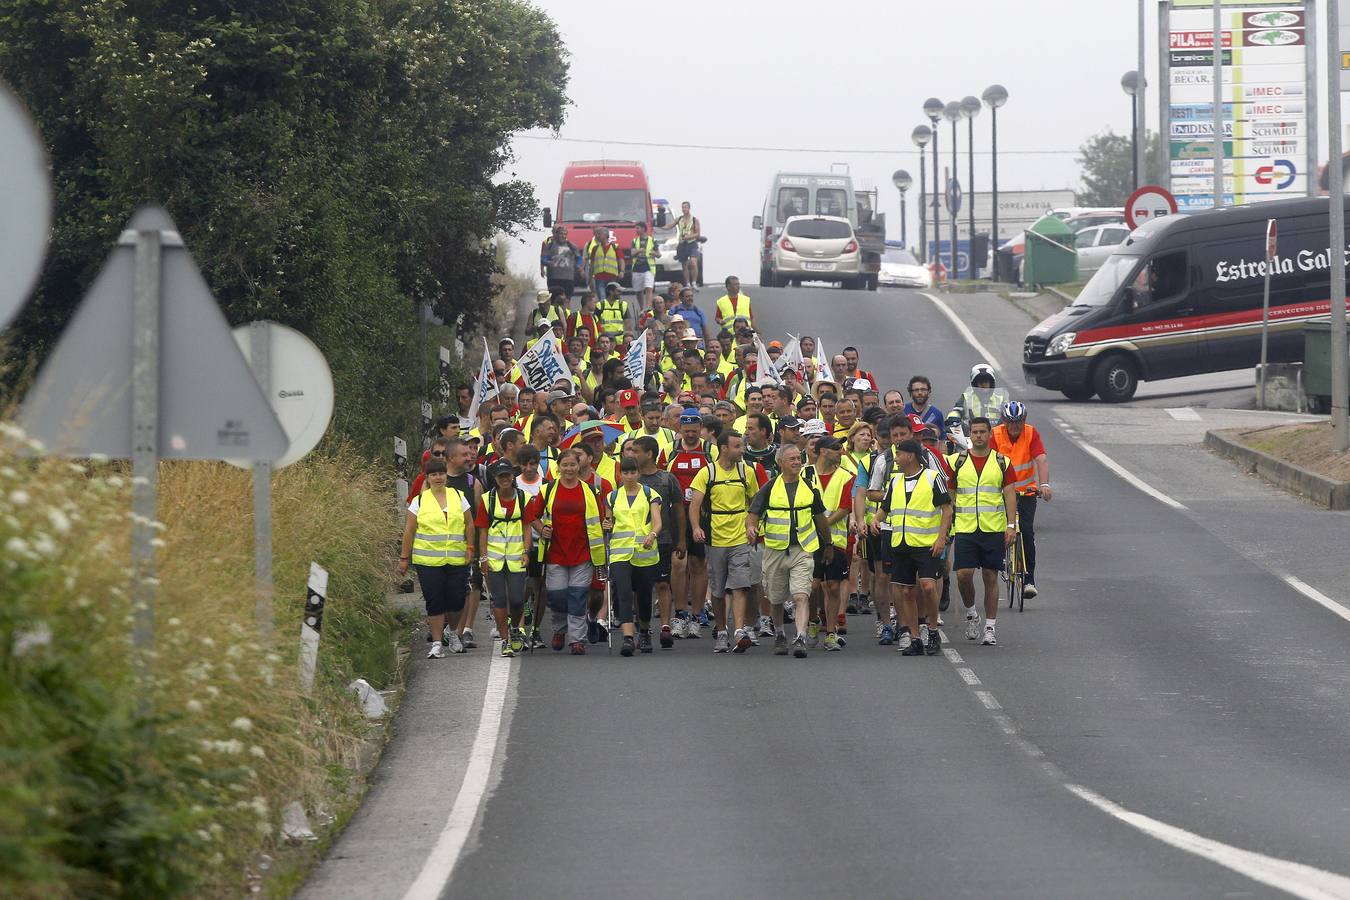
[
  {"x": 209, "y": 405},
  {"x": 1148, "y": 203},
  {"x": 298, "y": 384},
  {"x": 953, "y": 196},
  {"x": 26, "y": 214}
]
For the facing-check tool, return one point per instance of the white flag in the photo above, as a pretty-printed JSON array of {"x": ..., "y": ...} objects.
[
  {"x": 765, "y": 369},
  {"x": 544, "y": 363},
  {"x": 484, "y": 387},
  {"x": 792, "y": 359},
  {"x": 635, "y": 361},
  {"x": 823, "y": 370}
]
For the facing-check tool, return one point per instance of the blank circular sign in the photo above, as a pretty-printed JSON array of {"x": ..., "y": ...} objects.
[
  {"x": 299, "y": 385},
  {"x": 26, "y": 213}
]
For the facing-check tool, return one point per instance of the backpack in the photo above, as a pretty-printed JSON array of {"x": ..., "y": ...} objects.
[
  {"x": 961, "y": 460},
  {"x": 705, "y": 512}
]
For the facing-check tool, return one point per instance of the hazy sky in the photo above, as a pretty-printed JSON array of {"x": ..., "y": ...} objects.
[{"x": 828, "y": 78}]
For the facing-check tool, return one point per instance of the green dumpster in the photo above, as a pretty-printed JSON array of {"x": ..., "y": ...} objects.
[
  {"x": 1050, "y": 254},
  {"x": 1317, "y": 364}
]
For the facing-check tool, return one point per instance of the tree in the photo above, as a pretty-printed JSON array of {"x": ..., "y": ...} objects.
[
  {"x": 332, "y": 165},
  {"x": 1107, "y": 168}
]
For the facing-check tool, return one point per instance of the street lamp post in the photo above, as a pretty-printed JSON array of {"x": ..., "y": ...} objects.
[
  {"x": 995, "y": 95},
  {"x": 932, "y": 108},
  {"x": 952, "y": 113},
  {"x": 921, "y": 136},
  {"x": 970, "y": 108},
  {"x": 902, "y": 181},
  {"x": 1129, "y": 83}
]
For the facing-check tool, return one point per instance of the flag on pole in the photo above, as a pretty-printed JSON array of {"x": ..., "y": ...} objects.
[
  {"x": 544, "y": 363},
  {"x": 792, "y": 360},
  {"x": 484, "y": 387},
  {"x": 765, "y": 368},
  {"x": 635, "y": 361},
  {"x": 823, "y": 370}
]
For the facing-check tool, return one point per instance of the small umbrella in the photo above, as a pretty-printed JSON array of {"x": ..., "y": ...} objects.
[{"x": 611, "y": 430}]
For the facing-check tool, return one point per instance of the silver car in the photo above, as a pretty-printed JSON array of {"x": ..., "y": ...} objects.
[
  {"x": 1096, "y": 244},
  {"x": 816, "y": 248}
]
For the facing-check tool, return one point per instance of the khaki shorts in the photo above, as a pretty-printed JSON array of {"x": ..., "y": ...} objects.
[{"x": 787, "y": 573}]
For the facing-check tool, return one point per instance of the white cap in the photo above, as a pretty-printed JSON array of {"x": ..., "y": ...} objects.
[
  {"x": 689, "y": 335},
  {"x": 812, "y": 427}
]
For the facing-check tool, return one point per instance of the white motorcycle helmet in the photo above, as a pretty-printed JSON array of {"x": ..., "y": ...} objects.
[{"x": 984, "y": 369}]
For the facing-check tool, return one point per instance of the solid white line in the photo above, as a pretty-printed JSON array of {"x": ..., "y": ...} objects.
[
  {"x": 1295, "y": 878},
  {"x": 988, "y": 700},
  {"x": 440, "y": 863},
  {"x": 1128, "y": 476},
  {"x": 965, "y": 332},
  {"x": 1317, "y": 596},
  {"x": 1182, "y": 413}
]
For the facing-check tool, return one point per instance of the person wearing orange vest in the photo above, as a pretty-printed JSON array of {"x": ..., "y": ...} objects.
[
  {"x": 733, "y": 303},
  {"x": 603, "y": 260},
  {"x": 1021, "y": 444}
]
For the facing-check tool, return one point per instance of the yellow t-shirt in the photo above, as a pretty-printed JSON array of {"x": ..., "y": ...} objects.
[{"x": 731, "y": 494}]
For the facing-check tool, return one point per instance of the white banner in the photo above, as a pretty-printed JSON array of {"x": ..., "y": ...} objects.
[
  {"x": 792, "y": 359},
  {"x": 635, "y": 361},
  {"x": 824, "y": 372},
  {"x": 764, "y": 367},
  {"x": 544, "y": 363},
  {"x": 484, "y": 387}
]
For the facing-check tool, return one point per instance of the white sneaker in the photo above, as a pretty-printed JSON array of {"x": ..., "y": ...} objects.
[
  {"x": 692, "y": 629},
  {"x": 721, "y": 645},
  {"x": 750, "y": 632},
  {"x": 879, "y": 627},
  {"x": 496, "y": 636},
  {"x": 437, "y": 650},
  {"x": 677, "y": 627},
  {"x": 989, "y": 638},
  {"x": 940, "y": 622},
  {"x": 905, "y": 640},
  {"x": 467, "y": 640},
  {"x": 766, "y": 627},
  {"x": 923, "y": 633},
  {"x": 972, "y": 628},
  {"x": 456, "y": 645},
  {"x": 1029, "y": 591}
]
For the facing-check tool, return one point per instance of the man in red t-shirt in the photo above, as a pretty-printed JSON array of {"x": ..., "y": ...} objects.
[{"x": 977, "y": 548}]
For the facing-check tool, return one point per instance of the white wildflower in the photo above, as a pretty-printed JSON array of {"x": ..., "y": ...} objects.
[
  {"x": 17, "y": 546},
  {"x": 60, "y": 521},
  {"x": 243, "y": 723},
  {"x": 257, "y": 751},
  {"x": 20, "y": 497},
  {"x": 194, "y": 706},
  {"x": 259, "y": 805},
  {"x": 39, "y": 635}
]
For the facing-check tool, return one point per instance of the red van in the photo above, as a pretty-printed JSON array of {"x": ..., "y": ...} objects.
[{"x": 610, "y": 192}]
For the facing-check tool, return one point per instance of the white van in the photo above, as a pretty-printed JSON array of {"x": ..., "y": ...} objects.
[{"x": 800, "y": 194}]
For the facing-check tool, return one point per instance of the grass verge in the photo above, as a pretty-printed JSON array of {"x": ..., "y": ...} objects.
[{"x": 1306, "y": 445}]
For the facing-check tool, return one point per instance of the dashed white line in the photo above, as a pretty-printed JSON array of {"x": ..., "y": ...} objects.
[
  {"x": 440, "y": 863},
  {"x": 967, "y": 334},
  {"x": 953, "y": 657},
  {"x": 1316, "y": 596},
  {"x": 968, "y": 676},
  {"x": 1182, "y": 413},
  {"x": 1129, "y": 477},
  {"x": 988, "y": 700}
]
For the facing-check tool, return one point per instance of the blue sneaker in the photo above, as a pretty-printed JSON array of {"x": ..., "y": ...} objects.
[
  {"x": 703, "y": 618},
  {"x": 887, "y": 636}
]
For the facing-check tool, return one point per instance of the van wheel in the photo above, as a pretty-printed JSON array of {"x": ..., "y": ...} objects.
[
  {"x": 1116, "y": 378},
  {"x": 1078, "y": 394}
]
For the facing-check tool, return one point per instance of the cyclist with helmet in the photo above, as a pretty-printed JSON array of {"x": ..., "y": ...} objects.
[
  {"x": 983, "y": 399},
  {"x": 1021, "y": 444}
]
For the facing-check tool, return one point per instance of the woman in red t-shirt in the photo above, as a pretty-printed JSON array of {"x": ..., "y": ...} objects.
[{"x": 558, "y": 516}]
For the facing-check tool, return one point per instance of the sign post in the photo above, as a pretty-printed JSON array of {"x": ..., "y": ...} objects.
[
  {"x": 1271, "y": 239},
  {"x": 1340, "y": 440},
  {"x": 260, "y": 359},
  {"x": 145, "y": 431}
]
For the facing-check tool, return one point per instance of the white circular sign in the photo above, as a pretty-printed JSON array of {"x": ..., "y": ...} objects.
[
  {"x": 1148, "y": 203},
  {"x": 300, "y": 387},
  {"x": 26, "y": 212}
]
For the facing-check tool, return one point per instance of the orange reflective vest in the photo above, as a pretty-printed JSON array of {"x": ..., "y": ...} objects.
[{"x": 1019, "y": 455}]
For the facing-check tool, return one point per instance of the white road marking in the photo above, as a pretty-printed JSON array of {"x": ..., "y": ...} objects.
[
  {"x": 968, "y": 676},
  {"x": 953, "y": 656},
  {"x": 1317, "y": 596},
  {"x": 988, "y": 700},
  {"x": 440, "y": 863},
  {"x": 967, "y": 333},
  {"x": 1183, "y": 414},
  {"x": 1128, "y": 476},
  {"x": 1295, "y": 878}
]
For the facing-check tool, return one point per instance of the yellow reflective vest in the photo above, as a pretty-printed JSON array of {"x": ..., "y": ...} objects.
[
  {"x": 915, "y": 520},
  {"x": 978, "y": 496},
  {"x": 612, "y": 316},
  {"x": 440, "y": 539},
  {"x": 603, "y": 258},
  {"x": 505, "y": 546},
  {"x": 632, "y": 523},
  {"x": 782, "y": 519}
]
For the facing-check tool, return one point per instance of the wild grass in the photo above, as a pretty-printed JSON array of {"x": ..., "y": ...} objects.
[{"x": 114, "y": 787}]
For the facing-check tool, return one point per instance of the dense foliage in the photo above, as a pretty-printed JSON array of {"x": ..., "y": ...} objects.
[
  {"x": 332, "y": 164},
  {"x": 1108, "y": 168}
]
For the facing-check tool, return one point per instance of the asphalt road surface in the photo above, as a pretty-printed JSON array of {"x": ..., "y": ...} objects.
[{"x": 1166, "y": 719}]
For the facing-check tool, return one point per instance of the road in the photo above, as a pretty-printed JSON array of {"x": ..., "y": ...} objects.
[{"x": 1168, "y": 718}]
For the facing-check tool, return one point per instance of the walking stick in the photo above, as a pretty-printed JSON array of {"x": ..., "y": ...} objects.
[{"x": 609, "y": 602}]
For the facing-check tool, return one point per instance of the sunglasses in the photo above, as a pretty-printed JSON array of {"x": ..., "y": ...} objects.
[{"x": 437, "y": 452}]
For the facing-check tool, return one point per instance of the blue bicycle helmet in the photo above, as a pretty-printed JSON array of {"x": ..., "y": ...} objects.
[{"x": 1014, "y": 411}]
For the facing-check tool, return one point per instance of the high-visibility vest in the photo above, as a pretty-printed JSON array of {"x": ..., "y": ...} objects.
[
  {"x": 588, "y": 325},
  {"x": 782, "y": 519},
  {"x": 607, "y": 467},
  {"x": 863, "y": 467},
  {"x": 915, "y": 521},
  {"x": 975, "y": 407},
  {"x": 978, "y": 496},
  {"x": 632, "y": 523},
  {"x": 595, "y": 535},
  {"x": 831, "y": 495},
  {"x": 1018, "y": 453},
  {"x": 603, "y": 258},
  {"x": 728, "y": 309},
  {"x": 440, "y": 539},
  {"x": 650, "y": 253},
  {"x": 612, "y": 316},
  {"x": 685, "y": 227},
  {"x": 505, "y": 534}
]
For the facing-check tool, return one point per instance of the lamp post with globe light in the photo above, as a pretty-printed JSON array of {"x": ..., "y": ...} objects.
[
  {"x": 902, "y": 181},
  {"x": 995, "y": 96},
  {"x": 952, "y": 113},
  {"x": 932, "y": 108},
  {"x": 970, "y": 108},
  {"x": 1129, "y": 83},
  {"x": 921, "y": 136}
]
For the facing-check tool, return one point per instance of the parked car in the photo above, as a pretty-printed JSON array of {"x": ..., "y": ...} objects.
[
  {"x": 1097, "y": 243},
  {"x": 816, "y": 248},
  {"x": 900, "y": 268}
]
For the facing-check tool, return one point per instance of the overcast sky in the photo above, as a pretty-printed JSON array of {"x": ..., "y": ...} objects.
[{"x": 823, "y": 79}]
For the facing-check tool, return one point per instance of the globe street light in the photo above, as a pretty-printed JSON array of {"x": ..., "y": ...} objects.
[
  {"x": 902, "y": 181},
  {"x": 952, "y": 113},
  {"x": 970, "y": 108},
  {"x": 921, "y": 136},
  {"x": 1129, "y": 83},
  {"x": 932, "y": 108},
  {"x": 995, "y": 96}
]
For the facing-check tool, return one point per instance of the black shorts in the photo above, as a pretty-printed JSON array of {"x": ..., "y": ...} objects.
[
  {"x": 835, "y": 570},
  {"x": 695, "y": 548},
  {"x": 660, "y": 573},
  {"x": 879, "y": 552},
  {"x": 911, "y": 563},
  {"x": 686, "y": 250},
  {"x": 979, "y": 550}
]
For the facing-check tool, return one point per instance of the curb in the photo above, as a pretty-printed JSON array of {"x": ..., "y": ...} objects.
[{"x": 1323, "y": 491}]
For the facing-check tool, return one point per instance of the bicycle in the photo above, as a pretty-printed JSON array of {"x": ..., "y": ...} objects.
[{"x": 1014, "y": 573}]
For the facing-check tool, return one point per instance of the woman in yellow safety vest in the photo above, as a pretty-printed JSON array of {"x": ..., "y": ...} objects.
[
  {"x": 504, "y": 548},
  {"x": 436, "y": 539},
  {"x": 633, "y": 523}
]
